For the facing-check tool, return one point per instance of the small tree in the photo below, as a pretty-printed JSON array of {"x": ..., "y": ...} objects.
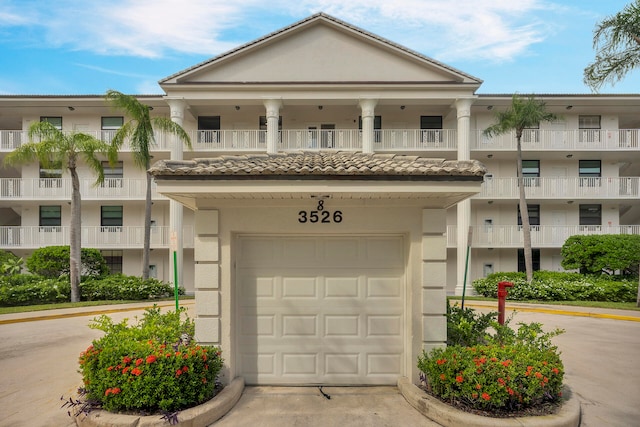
[
  {"x": 53, "y": 262},
  {"x": 524, "y": 113},
  {"x": 602, "y": 253},
  {"x": 617, "y": 43},
  {"x": 51, "y": 146},
  {"x": 139, "y": 130}
]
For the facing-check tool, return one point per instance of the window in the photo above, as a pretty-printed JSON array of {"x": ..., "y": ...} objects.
[
  {"x": 111, "y": 218},
  {"x": 430, "y": 129},
  {"x": 112, "y": 175},
  {"x": 590, "y": 214},
  {"x": 55, "y": 121},
  {"x": 50, "y": 176},
  {"x": 50, "y": 218},
  {"x": 377, "y": 126},
  {"x": 114, "y": 261},
  {"x": 109, "y": 127},
  {"x": 589, "y": 128},
  {"x": 535, "y": 260},
  {"x": 534, "y": 217},
  {"x": 590, "y": 172},
  {"x": 531, "y": 173},
  {"x": 208, "y": 127}
]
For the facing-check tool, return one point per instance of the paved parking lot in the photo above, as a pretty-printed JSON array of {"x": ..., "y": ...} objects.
[{"x": 38, "y": 362}]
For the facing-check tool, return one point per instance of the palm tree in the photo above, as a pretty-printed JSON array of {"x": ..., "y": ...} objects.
[
  {"x": 54, "y": 147},
  {"x": 525, "y": 112},
  {"x": 139, "y": 131},
  {"x": 617, "y": 43}
]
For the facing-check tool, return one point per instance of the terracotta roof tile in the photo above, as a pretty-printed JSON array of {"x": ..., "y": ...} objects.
[{"x": 320, "y": 165}]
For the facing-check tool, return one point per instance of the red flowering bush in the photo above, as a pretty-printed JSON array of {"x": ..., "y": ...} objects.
[
  {"x": 152, "y": 366},
  {"x": 513, "y": 370}
]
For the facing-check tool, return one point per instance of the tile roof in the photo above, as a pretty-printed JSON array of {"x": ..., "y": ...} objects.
[{"x": 321, "y": 165}]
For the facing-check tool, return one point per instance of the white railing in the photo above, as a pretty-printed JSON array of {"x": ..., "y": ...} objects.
[
  {"x": 577, "y": 139},
  {"x": 92, "y": 237},
  {"x": 542, "y": 236},
  {"x": 384, "y": 140},
  {"x": 320, "y": 139},
  {"x": 229, "y": 140},
  {"x": 562, "y": 187},
  {"x": 60, "y": 189},
  {"x": 416, "y": 139}
]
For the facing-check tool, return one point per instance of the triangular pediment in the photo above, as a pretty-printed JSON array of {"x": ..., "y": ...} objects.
[{"x": 320, "y": 49}]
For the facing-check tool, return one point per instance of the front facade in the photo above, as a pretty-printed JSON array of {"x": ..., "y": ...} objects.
[{"x": 352, "y": 268}]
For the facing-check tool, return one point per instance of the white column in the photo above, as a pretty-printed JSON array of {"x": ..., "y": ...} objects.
[
  {"x": 273, "y": 118},
  {"x": 368, "y": 116},
  {"x": 463, "y": 107},
  {"x": 176, "y": 209}
]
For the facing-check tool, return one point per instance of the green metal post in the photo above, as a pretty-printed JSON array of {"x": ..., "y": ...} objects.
[{"x": 175, "y": 277}]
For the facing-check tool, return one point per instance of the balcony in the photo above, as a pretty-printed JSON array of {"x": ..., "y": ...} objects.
[
  {"x": 12, "y": 238},
  {"x": 60, "y": 189},
  {"x": 384, "y": 140},
  {"x": 562, "y": 187},
  {"x": 564, "y": 140},
  {"x": 542, "y": 236}
]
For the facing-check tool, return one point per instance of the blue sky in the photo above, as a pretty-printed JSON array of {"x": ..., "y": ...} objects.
[{"x": 89, "y": 46}]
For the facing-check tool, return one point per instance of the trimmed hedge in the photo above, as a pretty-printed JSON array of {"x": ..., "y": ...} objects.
[
  {"x": 29, "y": 289},
  {"x": 559, "y": 286},
  {"x": 121, "y": 287}
]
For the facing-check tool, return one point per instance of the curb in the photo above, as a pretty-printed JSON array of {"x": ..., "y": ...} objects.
[
  {"x": 561, "y": 312},
  {"x": 567, "y": 416},
  {"x": 198, "y": 416}
]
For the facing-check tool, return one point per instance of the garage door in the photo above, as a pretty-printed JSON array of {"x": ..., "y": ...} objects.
[{"x": 320, "y": 310}]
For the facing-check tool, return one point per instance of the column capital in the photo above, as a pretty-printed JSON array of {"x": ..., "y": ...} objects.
[
  {"x": 368, "y": 106},
  {"x": 463, "y": 106},
  {"x": 177, "y": 106},
  {"x": 272, "y": 106}
]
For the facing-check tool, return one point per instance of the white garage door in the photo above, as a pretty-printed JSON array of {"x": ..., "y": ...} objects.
[{"x": 320, "y": 310}]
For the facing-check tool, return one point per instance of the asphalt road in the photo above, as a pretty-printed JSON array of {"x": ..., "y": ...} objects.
[{"x": 38, "y": 364}]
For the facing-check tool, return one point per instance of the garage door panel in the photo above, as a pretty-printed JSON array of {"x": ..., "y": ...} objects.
[{"x": 335, "y": 319}]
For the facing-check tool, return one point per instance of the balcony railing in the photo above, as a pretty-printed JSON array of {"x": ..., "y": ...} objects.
[
  {"x": 562, "y": 187},
  {"x": 60, "y": 189},
  {"x": 92, "y": 237},
  {"x": 542, "y": 236},
  {"x": 384, "y": 140},
  {"x": 577, "y": 139}
]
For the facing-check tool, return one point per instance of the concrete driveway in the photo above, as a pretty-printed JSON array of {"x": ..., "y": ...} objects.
[{"x": 39, "y": 351}]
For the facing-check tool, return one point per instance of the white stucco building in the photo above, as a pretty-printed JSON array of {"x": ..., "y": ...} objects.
[{"x": 318, "y": 238}]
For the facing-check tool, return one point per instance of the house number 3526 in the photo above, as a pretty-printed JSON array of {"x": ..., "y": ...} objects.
[{"x": 320, "y": 215}]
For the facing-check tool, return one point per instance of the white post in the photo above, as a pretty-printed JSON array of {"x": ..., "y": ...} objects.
[
  {"x": 176, "y": 209},
  {"x": 273, "y": 118},
  {"x": 463, "y": 108},
  {"x": 368, "y": 116}
]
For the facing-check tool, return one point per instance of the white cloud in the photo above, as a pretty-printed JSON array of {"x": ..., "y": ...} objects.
[{"x": 445, "y": 29}]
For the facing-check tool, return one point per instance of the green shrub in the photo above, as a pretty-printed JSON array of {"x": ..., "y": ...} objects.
[
  {"x": 502, "y": 371},
  {"x": 10, "y": 264},
  {"x": 560, "y": 286},
  {"x": 466, "y": 328},
  {"x": 602, "y": 253},
  {"x": 54, "y": 261},
  {"x": 149, "y": 366},
  {"x": 121, "y": 287},
  {"x": 29, "y": 289}
]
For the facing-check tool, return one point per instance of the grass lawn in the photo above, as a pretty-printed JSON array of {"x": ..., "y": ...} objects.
[
  {"x": 42, "y": 307},
  {"x": 594, "y": 304}
]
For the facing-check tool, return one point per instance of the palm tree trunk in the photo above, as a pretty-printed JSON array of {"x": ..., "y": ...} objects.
[
  {"x": 524, "y": 215},
  {"x": 75, "y": 236},
  {"x": 147, "y": 230}
]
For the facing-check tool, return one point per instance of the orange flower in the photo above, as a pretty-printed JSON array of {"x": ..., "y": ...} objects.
[
  {"x": 151, "y": 359},
  {"x": 442, "y": 377},
  {"x": 126, "y": 360},
  {"x": 136, "y": 372},
  {"x": 441, "y": 361},
  {"x": 178, "y": 372},
  {"x": 486, "y": 396},
  {"x": 139, "y": 362},
  {"x": 459, "y": 379}
]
